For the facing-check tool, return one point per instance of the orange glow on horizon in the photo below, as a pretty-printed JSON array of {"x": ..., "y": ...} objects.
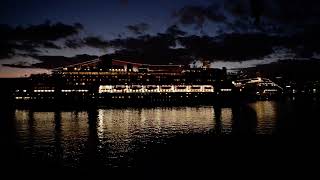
[{"x": 9, "y": 72}]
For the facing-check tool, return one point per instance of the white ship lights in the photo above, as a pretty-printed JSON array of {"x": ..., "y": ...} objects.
[
  {"x": 264, "y": 85},
  {"x": 155, "y": 88}
]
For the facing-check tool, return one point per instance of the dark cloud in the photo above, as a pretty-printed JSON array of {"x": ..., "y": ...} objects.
[
  {"x": 154, "y": 49},
  {"x": 19, "y": 65},
  {"x": 290, "y": 69},
  {"x": 230, "y": 12},
  {"x": 250, "y": 29},
  {"x": 42, "y": 32},
  {"x": 145, "y": 42},
  {"x": 138, "y": 29},
  {"x": 256, "y": 10},
  {"x": 6, "y": 49},
  {"x": 306, "y": 42},
  {"x": 49, "y": 44},
  {"x": 241, "y": 47},
  {"x": 158, "y": 49},
  {"x": 198, "y": 15},
  {"x": 253, "y": 15},
  {"x": 74, "y": 43},
  {"x": 50, "y": 62},
  {"x": 293, "y": 12},
  {"x": 174, "y": 30},
  {"x": 90, "y": 41},
  {"x": 34, "y": 36},
  {"x": 96, "y": 42},
  {"x": 238, "y": 8}
]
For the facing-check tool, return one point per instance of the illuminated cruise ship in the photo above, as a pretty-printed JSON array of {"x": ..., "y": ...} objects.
[{"x": 107, "y": 81}]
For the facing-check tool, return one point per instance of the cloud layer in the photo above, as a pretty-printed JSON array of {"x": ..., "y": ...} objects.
[
  {"x": 138, "y": 29},
  {"x": 247, "y": 29},
  {"x": 29, "y": 39}
]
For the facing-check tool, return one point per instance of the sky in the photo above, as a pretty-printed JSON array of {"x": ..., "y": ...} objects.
[
  {"x": 37, "y": 35},
  {"x": 106, "y": 18},
  {"x": 98, "y": 16}
]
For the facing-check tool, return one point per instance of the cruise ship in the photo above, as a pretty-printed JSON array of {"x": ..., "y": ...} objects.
[
  {"x": 108, "y": 81},
  {"x": 259, "y": 88}
]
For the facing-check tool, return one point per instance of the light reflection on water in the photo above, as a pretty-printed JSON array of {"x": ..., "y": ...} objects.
[
  {"x": 266, "y": 116},
  {"x": 114, "y": 134}
]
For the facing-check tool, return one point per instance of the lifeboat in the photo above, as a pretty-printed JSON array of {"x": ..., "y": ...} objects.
[
  {"x": 195, "y": 87},
  {"x": 152, "y": 87},
  {"x": 181, "y": 87},
  {"x": 166, "y": 87},
  {"x": 120, "y": 87},
  {"x": 136, "y": 87}
]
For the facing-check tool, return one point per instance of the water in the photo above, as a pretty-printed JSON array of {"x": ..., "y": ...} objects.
[{"x": 134, "y": 137}]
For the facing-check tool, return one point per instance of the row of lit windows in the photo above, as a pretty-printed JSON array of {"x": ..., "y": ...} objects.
[
  {"x": 158, "y": 91},
  {"x": 25, "y": 98},
  {"x": 225, "y": 90},
  {"x": 141, "y": 97},
  {"x": 267, "y": 84},
  {"x": 270, "y": 90},
  {"x": 76, "y": 78},
  {"x": 74, "y": 90},
  {"x": 21, "y": 90},
  {"x": 48, "y": 91},
  {"x": 80, "y": 83},
  {"x": 127, "y": 89},
  {"x": 28, "y": 98},
  {"x": 117, "y": 71},
  {"x": 43, "y": 90}
]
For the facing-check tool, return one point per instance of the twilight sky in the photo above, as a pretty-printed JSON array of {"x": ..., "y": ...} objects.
[{"x": 37, "y": 35}]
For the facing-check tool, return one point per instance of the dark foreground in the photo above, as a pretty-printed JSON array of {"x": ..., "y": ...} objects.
[{"x": 266, "y": 137}]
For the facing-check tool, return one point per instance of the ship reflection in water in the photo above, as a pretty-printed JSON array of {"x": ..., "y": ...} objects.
[{"x": 113, "y": 137}]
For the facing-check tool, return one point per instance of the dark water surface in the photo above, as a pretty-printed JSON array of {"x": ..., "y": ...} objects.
[{"x": 160, "y": 137}]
